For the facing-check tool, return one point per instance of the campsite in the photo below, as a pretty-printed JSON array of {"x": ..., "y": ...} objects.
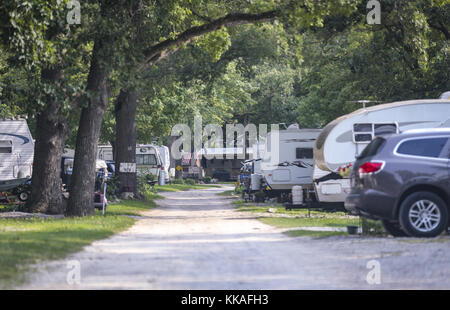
[{"x": 224, "y": 145}]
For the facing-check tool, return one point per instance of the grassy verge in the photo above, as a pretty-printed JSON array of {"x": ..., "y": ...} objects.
[
  {"x": 316, "y": 234},
  {"x": 282, "y": 218},
  {"x": 128, "y": 207},
  {"x": 28, "y": 241},
  {"x": 284, "y": 222}
]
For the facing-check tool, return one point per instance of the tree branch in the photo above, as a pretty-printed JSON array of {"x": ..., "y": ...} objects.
[
  {"x": 169, "y": 46},
  {"x": 441, "y": 27}
]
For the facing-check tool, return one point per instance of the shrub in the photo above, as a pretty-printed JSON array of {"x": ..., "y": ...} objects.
[
  {"x": 371, "y": 227},
  {"x": 207, "y": 180},
  {"x": 143, "y": 183},
  {"x": 177, "y": 181},
  {"x": 238, "y": 189},
  {"x": 189, "y": 181},
  {"x": 112, "y": 188}
]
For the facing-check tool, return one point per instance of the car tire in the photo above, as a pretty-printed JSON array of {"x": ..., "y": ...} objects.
[
  {"x": 393, "y": 228},
  {"x": 423, "y": 214}
]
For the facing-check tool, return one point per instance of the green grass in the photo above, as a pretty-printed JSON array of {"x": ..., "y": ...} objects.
[
  {"x": 316, "y": 234},
  {"x": 229, "y": 193},
  {"x": 279, "y": 209},
  {"x": 284, "y": 222},
  {"x": 128, "y": 207},
  {"x": 28, "y": 241}
]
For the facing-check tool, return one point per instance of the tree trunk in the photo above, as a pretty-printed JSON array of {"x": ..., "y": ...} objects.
[
  {"x": 126, "y": 138},
  {"x": 51, "y": 133},
  {"x": 81, "y": 201}
]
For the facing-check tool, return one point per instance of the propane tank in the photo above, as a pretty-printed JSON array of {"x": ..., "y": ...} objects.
[
  {"x": 255, "y": 180},
  {"x": 297, "y": 195}
]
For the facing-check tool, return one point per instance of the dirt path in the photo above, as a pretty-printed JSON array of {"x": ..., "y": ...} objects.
[{"x": 196, "y": 240}]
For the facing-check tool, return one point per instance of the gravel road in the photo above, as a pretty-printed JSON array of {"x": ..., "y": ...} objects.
[{"x": 196, "y": 240}]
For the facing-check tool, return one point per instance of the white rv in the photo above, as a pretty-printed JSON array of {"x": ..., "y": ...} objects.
[
  {"x": 288, "y": 159},
  {"x": 148, "y": 160},
  {"x": 105, "y": 152},
  {"x": 342, "y": 140},
  {"x": 16, "y": 150}
]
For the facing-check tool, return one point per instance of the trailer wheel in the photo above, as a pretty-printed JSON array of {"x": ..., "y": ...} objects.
[{"x": 24, "y": 196}]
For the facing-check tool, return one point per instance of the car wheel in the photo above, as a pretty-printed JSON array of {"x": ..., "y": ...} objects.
[
  {"x": 393, "y": 228},
  {"x": 423, "y": 214}
]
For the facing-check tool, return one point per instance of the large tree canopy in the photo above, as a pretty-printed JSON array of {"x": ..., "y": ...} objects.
[{"x": 133, "y": 68}]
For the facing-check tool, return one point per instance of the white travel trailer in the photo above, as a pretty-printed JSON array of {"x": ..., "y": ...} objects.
[
  {"x": 288, "y": 159},
  {"x": 342, "y": 140},
  {"x": 16, "y": 150},
  {"x": 105, "y": 152}
]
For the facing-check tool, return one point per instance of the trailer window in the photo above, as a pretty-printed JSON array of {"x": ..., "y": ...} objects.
[
  {"x": 362, "y": 133},
  {"x": 5, "y": 147},
  {"x": 146, "y": 159},
  {"x": 303, "y": 153},
  {"x": 365, "y": 132},
  {"x": 383, "y": 129}
]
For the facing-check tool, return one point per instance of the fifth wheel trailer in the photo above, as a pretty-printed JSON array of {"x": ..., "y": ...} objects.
[{"x": 342, "y": 140}]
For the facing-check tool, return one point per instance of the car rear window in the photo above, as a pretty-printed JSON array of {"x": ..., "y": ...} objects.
[
  {"x": 430, "y": 147},
  {"x": 373, "y": 148}
]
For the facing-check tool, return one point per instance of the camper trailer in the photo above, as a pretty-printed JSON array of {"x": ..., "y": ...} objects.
[
  {"x": 288, "y": 160},
  {"x": 105, "y": 152},
  {"x": 148, "y": 160},
  {"x": 342, "y": 140},
  {"x": 16, "y": 150}
]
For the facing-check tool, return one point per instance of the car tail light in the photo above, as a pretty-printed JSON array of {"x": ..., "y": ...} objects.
[{"x": 370, "y": 167}]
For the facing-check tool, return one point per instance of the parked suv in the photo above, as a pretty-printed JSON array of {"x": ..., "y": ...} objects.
[{"x": 404, "y": 180}]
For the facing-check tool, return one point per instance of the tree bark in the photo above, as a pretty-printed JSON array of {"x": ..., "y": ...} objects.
[
  {"x": 126, "y": 138},
  {"x": 81, "y": 201},
  {"x": 51, "y": 133}
]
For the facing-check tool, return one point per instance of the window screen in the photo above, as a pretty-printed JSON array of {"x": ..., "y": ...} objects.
[
  {"x": 304, "y": 153},
  {"x": 146, "y": 159},
  {"x": 367, "y": 137},
  {"x": 383, "y": 129},
  {"x": 5, "y": 147},
  {"x": 362, "y": 127},
  {"x": 431, "y": 147}
]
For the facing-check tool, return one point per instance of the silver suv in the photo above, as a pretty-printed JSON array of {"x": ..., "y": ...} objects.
[{"x": 404, "y": 180}]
